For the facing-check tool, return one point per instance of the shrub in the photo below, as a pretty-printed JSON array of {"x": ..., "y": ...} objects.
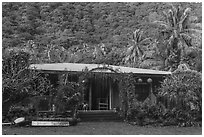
[
  {"x": 179, "y": 102},
  {"x": 17, "y": 111},
  {"x": 144, "y": 113},
  {"x": 18, "y": 81},
  {"x": 181, "y": 94},
  {"x": 68, "y": 98}
]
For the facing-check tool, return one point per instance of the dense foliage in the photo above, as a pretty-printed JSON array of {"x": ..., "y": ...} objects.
[
  {"x": 131, "y": 109},
  {"x": 181, "y": 94},
  {"x": 68, "y": 97},
  {"x": 18, "y": 82},
  {"x": 177, "y": 29},
  {"x": 185, "y": 85},
  {"x": 177, "y": 102},
  {"x": 94, "y": 32}
]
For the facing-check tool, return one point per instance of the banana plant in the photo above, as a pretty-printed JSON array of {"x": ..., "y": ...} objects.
[{"x": 178, "y": 28}]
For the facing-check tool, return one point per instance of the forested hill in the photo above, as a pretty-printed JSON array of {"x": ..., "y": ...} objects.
[{"x": 93, "y": 32}]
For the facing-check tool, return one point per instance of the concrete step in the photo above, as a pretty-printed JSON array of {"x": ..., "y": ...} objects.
[{"x": 99, "y": 116}]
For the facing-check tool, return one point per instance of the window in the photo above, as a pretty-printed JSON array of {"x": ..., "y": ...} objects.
[{"x": 142, "y": 91}]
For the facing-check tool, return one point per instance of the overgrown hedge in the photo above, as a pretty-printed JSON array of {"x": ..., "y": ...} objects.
[
  {"x": 181, "y": 95},
  {"x": 179, "y": 101}
]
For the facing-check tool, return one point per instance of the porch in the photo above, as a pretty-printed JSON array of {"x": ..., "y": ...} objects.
[{"x": 101, "y": 94}]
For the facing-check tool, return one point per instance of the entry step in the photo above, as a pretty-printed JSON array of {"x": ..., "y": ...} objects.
[{"x": 99, "y": 115}]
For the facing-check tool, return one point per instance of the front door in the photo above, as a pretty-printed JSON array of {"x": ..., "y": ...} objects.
[{"x": 100, "y": 91}]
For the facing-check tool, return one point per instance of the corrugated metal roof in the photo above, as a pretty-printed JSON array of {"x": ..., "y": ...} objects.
[{"x": 81, "y": 67}]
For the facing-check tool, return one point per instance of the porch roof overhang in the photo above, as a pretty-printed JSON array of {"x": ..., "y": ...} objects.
[{"x": 76, "y": 67}]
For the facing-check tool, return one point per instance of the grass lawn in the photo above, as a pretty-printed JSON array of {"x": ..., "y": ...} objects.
[{"x": 102, "y": 128}]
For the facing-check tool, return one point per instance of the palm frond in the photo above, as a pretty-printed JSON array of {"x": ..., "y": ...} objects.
[
  {"x": 130, "y": 50},
  {"x": 186, "y": 38},
  {"x": 139, "y": 37},
  {"x": 135, "y": 34},
  {"x": 187, "y": 11},
  {"x": 182, "y": 22},
  {"x": 174, "y": 20},
  {"x": 134, "y": 53},
  {"x": 170, "y": 18},
  {"x": 184, "y": 15},
  {"x": 179, "y": 13},
  {"x": 139, "y": 51},
  {"x": 165, "y": 16},
  {"x": 170, "y": 41},
  {"x": 174, "y": 9},
  {"x": 174, "y": 12}
]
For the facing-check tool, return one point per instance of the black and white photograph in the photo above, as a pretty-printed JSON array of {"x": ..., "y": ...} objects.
[{"x": 101, "y": 68}]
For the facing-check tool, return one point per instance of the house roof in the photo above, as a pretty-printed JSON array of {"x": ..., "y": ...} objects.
[{"x": 76, "y": 67}]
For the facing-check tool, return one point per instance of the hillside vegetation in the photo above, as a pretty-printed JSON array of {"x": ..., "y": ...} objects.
[{"x": 126, "y": 34}]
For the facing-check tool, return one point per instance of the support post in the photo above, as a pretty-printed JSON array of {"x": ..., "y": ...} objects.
[
  {"x": 90, "y": 95},
  {"x": 110, "y": 96},
  {"x": 152, "y": 96}
]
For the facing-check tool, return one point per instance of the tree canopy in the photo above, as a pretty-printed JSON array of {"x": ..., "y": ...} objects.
[{"x": 75, "y": 31}]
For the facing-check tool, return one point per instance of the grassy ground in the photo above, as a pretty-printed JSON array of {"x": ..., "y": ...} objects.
[{"x": 102, "y": 128}]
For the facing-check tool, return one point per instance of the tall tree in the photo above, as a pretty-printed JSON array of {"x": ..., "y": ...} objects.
[
  {"x": 18, "y": 82},
  {"x": 178, "y": 29},
  {"x": 134, "y": 54}
]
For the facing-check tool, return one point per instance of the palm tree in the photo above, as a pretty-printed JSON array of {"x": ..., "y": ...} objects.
[
  {"x": 178, "y": 28},
  {"x": 154, "y": 56},
  {"x": 134, "y": 54}
]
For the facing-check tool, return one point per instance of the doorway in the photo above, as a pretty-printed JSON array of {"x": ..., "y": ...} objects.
[{"x": 99, "y": 93}]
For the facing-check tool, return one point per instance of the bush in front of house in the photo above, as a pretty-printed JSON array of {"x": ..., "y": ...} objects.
[
  {"x": 145, "y": 113},
  {"x": 18, "y": 80},
  {"x": 19, "y": 111},
  {"x": 18, "y": 83},
  {"x": 179, "y": 102},
  {"x": 181, "y": 95},
  {"x": 68, "y": 97}
]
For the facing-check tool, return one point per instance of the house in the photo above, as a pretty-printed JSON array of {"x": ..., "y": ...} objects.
[{"x": 102, "y": 92}]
